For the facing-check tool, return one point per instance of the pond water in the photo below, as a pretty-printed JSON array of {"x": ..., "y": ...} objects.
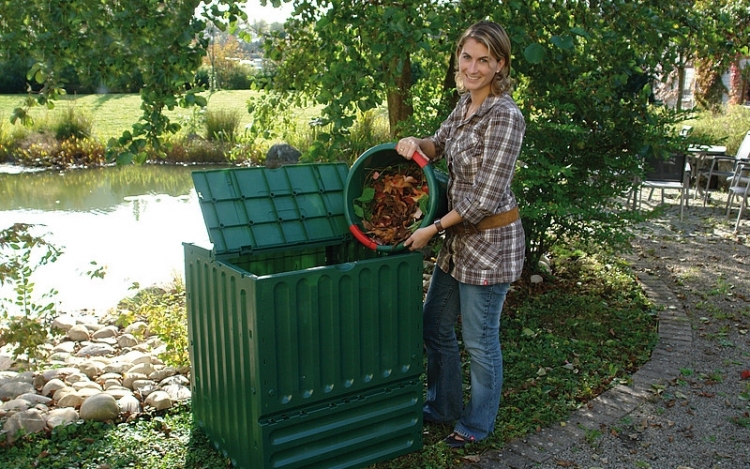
[{"x": 131, "y": 220}]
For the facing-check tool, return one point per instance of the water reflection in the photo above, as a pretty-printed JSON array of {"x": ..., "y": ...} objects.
[{"x": 133, "y": 220}]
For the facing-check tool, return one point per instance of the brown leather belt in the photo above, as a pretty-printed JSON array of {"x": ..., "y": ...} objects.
[{"x": 493, "y": 221}]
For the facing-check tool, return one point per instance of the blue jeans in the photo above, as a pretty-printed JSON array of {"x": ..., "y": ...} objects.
[{"x": 479, "y": 307}]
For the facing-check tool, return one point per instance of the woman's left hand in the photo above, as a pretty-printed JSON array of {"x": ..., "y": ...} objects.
[{"x": 420, "y": 238}]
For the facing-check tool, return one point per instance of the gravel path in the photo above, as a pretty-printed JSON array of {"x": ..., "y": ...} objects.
[{"x": 687, "y": 408}]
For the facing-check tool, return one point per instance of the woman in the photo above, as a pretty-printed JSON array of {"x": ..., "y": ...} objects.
[{"x": 484, "y": 247}]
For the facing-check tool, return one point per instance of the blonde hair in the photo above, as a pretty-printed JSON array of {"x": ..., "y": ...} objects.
[{"x": 494, "y": 37}]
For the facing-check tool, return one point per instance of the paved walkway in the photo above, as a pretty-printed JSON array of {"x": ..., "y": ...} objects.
[{"x": 670, "y": 354}]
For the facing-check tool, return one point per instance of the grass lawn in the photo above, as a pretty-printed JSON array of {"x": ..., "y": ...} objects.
[{"x": 114, "y": 113}]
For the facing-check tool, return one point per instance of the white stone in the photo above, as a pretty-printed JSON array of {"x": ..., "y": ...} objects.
[
  {"x": 100, "y": 407},
  {"x": 129, "y": 378},
  {"x": 96, "y": 350},
  {"x": 118, "y": 367},
  {"x": 87, "y": 385},
  {"x": 58, "y": 373},
  {"x": 127, "y": 340},
  {"x": 60, "y": 393},
  {"x": 537, "y": 279},
  {"x": 91, "y": 368},
  {"x": 111, "y": 383},
  {"x": 142, "y": 368},
  {"x": 30, "y": 421},
  {"x": 34, "y": 398},
  {"x": 52, "y": 386},
  {"x": 119, "y": 392},
  {"x": 129, "y": 404},
  {"x": 176, "y": 379},
  {"x": 137, "y": 328},
  {"x": 16, "y": 405},
  {"x": 76, "y": 377},
  {"x": 57, "y": 417},
  {"x": 65, "y": 347},
  {"x": 70, "y": 399},
  {"x": 78, "y": 333},
  {"x": 177, "y": 392},
  {"x": 64, "y": 322},
  {"x": 159, "y": 400},
  {"x": 105, "y": 332},
  {"x": 14, "y": 389},
  {"x": 144, "y": 386},
  {"x": 88, "y": 392},
  {"x": 162, "y": 373},
  {"x": 135, "y": 357}
]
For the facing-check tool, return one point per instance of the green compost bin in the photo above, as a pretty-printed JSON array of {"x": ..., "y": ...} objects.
[{"x": 306, "y": 346}]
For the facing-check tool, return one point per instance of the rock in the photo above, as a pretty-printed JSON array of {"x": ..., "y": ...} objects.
[
  {"x": 30, "y": 421},
  {"x": 68, "y": 347},
  {"x": 6, "y": 362},
  {"x": 105, "y": 332},
  {"x": 58, "y": 373},
  {"x": 78, "y": 333},
  {"x": 144, "y": 386},
  {"x": 14, "y": 389},
  {"x": 119, "y": 392},
  {"x": 76, "y": 377},
  {"x": 100, "y": 407},
  {"x": 70, "y": 399},
  {"x": 535, "y": 279},
  {"x": 159, "y": 400},
  {"x": 127, "y": 340},
  {"x": 137, "y": 328},
  {"x": 91, "y": 368},
  {"x": 96, "y": 350},
  {"x": 177, "y": 392},
  {"x": 129, "y": 404},
  {"x": 52, "y": 386},
  {"x": 57, "y": 417},
  {"x": 163, "y": 373},
  {"x": 135, "y": 357},
  {"x": 34, "y": 399},
  {"x": 129, "y": 378},
  {"x": 281, "y": 154},
  {"x": 87, "y": 385},
  {"x": 16, "y": 405},
  {"x": 118, "y": 367},
  {"x": 60, "y": 393},
  {"x": 64, "y": 322},
  {"x": 142, "y": 368}
]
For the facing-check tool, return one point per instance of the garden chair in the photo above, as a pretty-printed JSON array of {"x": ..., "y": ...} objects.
[
  {"x": 743, "y": 153},
  {"x": 739, "y": 187},
  {"x": 671, "y": 173}
]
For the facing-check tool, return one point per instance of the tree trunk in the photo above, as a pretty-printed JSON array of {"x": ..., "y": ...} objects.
[{"x": 399, "y": 107}]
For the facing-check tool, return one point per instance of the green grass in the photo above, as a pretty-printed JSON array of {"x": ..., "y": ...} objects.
[{"x": 116, "y": 113}]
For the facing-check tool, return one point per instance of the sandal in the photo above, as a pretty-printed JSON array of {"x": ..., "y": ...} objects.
[{"x": 456, "y": 441}]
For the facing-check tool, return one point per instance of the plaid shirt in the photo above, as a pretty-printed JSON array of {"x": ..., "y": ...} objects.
[{"x": 481, "y": 152}]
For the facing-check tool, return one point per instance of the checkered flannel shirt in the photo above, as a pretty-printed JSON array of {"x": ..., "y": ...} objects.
[{"x": 481, "y": 153}]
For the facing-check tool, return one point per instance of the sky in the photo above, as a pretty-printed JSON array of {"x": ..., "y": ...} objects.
[{"x": 267, "y": 13}]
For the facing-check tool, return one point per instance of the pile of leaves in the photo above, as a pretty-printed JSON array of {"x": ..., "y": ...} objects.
[{"x": 393, "y": 202}]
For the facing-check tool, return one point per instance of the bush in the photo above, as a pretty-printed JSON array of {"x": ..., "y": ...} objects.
[{"x": 42, "y": 150}]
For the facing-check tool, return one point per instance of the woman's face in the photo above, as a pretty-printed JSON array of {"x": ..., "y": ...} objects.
[{"x": 477, "y": 66}]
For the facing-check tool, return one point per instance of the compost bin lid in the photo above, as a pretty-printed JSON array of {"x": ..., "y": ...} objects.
[{"x": 259, "y": 209}]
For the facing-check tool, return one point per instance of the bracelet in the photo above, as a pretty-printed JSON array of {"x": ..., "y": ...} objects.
[{"x": 439, "y": 226}]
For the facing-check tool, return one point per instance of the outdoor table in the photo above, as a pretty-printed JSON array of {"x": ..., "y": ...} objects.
[{"x": 702, "y": 156}]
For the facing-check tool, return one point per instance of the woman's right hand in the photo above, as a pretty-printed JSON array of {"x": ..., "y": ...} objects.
[{"x": 407, "y": 146}]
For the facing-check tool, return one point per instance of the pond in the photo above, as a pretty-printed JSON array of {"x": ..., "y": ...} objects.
[{"x": 130, "y": 220}]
